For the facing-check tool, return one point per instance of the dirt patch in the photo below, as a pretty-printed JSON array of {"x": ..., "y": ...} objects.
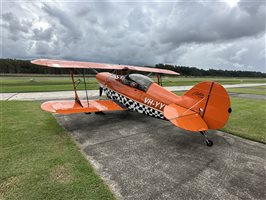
[
  {"x": 7, "y": 185},
  {"x": 62, "y": 174}
]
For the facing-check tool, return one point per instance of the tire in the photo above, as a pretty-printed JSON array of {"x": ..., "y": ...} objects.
[{"x": 209, "y": 143}]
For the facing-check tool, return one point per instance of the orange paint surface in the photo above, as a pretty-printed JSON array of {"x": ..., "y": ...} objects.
[
  {"x": 91, "y": 65},
  {"x": 70, "y": 106},
  {"x": 208, "y": 101},
  {"x": 184, "y": 118}
]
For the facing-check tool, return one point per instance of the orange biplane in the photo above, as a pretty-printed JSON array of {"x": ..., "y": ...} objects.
[{"x": 205, "y": 106}]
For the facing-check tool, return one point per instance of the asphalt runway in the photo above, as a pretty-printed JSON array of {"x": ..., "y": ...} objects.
[{"x": 141, "y": 157}]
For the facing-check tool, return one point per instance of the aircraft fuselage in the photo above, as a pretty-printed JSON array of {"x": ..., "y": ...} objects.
[{"x": 150, "y": 102}]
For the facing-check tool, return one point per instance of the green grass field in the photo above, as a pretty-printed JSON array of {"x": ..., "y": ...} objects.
[
  {"x": 42, "y": 84},
  {"x": 260, "y": 90},
  {"x": 183, "y": 81},
  {"x": 59, "y": 83},
  {"x": 39, "y": 160},
  {"x": 248, "y": 119}
]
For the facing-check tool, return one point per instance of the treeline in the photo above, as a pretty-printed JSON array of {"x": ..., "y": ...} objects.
[
  {"x": 25, "y": 67},
  {"x": 193, "y": 71}
]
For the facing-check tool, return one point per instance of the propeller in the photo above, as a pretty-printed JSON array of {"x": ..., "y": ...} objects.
[{"x": 100, "y": 91}]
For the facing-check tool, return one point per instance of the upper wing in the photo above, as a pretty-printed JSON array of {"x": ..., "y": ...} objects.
[
  {"x": 76, "y": 64},
  {"x": 71, "y": 107}
]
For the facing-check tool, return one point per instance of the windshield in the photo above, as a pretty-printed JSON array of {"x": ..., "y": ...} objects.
[{"x": 141, "y": 80}]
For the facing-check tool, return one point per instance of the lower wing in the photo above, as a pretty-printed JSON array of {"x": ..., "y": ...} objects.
[{"x": 71, "y": 106}]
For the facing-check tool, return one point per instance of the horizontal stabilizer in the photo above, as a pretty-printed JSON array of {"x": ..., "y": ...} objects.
[
  {"x": 184, "y": 118},
  {"x": 71, "y": 107}
]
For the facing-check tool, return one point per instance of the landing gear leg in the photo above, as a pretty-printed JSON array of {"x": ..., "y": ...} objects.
[{"x": 208, "y": 142}]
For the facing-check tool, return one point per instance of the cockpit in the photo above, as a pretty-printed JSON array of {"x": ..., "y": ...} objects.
[{"x": 138, "y": 81}]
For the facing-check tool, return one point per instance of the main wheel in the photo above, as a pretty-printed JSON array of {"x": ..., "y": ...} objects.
[
  {"x": 209, "y": 143},
  {"x": 99, "y": 113}
]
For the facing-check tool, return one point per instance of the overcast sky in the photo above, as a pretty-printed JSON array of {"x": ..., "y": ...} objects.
[{"x": 227, "y": 34}]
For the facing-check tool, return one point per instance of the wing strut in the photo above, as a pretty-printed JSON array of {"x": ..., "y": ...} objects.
[
  {"x": 77, "y": 100},
  {"x": 159, "y": 79},
  {"x": 85, "y": 84}
]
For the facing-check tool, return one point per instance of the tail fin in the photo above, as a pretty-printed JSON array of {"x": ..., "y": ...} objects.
[{"x": 210, "y": 100}]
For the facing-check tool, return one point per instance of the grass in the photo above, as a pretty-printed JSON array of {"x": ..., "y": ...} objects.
[
  {"x": 186, "y": 81},
  {"x": 260, "y": 90},
  {"x": 42, "y": 84},
  {"x": 248, "y": 119},
  {"x": 59, "y": 83},
  {"x": 260, "y": 87},
  {"x": 39, "y": 160}
]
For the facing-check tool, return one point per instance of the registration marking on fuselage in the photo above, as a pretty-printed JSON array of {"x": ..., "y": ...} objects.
[{"x": 154, "y": 103}]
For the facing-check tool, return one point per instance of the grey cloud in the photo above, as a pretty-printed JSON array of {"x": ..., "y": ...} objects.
[
  {"x": 41, "y": 48},
  {"x": 72, "y": 31},
  {"x": 15, "y": 26},
  {"x": 139, "y": 20},
  {"x": 244, "y": 54},
  {"x": 197, "y": 33},
  {"x": 214, "y": 22},
  {"x": 40, "y": 34},
  {"x": 238, "y": 56},
  {"x": 252, "y": 7}
]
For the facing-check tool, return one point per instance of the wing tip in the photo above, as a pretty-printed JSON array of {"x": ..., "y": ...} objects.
[
  {"x": 176, "y": 73},
  {"x": 34, "y": 61},
  {"x": 38, "y": 61},
  {"x": 167, "y": 71}
]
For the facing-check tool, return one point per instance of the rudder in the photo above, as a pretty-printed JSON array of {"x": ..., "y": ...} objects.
[{"x": 211, "y": 101}]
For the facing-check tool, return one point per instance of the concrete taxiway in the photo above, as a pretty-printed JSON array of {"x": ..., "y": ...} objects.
[
  {"x": 91, "y": 93},
  {"x": 141, "y": 157}
]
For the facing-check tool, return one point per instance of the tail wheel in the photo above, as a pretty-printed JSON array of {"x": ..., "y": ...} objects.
[{"x": 209, "y": 143}]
